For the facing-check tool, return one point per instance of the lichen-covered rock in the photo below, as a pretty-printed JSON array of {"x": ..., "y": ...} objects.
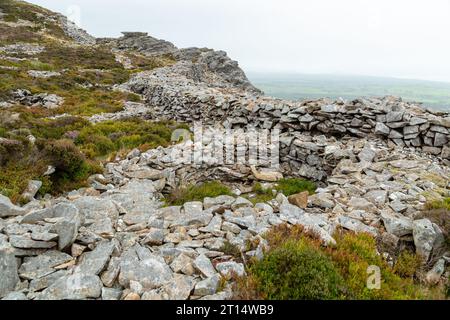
[
  {"x": 426, "y": 237},
  {"x": 73, "y": 287},
  {"x": 8, "y": 209},
  {"x": 8, "y": 271}
]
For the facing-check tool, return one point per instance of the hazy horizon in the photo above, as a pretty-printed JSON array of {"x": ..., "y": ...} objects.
[
  {"x": 395, "y": 39},
  {"x": 296, "y": 74}
]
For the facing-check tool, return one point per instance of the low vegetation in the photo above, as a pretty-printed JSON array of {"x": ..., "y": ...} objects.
[
  {"x": 438, "y": 212},
  {"x": 297, "y": 266},
  {"x": 287, "y": 187},
  {"x": 197, "y": 192},
  {"x": 439, "y": 204},
  {"x": 260, "y": 193},
  {"x": 73, "y": 146}
]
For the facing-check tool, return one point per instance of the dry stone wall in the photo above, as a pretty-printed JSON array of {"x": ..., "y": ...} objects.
[{"x": 174, "y": 92}]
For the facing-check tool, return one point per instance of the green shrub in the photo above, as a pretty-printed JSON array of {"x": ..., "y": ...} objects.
[
  {"x": 65, "y": 156},
  {"x": 72, "y": 168},
  {"x": 407, "y": 264},
  {"x": 294, "y": 185},
  {"x": 98, "y": 145},
  {"x": 197, "y": 192},
  {"x": 260, "y": 194},
  {"x": 103, "y": 138},
  {"x": 82, "y": 57},
  {"x": 13, "y": 180},
  {"x": 296, "y": 270},
  {"x": 345, "y": 276},
  {"x": 439, "y": 204}
]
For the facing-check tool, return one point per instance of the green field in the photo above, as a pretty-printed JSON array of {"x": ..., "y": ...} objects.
[{"x": 435, "y": 95}]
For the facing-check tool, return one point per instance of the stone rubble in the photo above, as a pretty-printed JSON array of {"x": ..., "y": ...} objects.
[
  {"x": 43, "y": 74},
  {"x": 189, "y": 92},
  {"x": 122, "y": 243},
  {"x": 130, "y": 110},
  {"x": 49, "y": 101},
  {"x": 22, "y": 49}
]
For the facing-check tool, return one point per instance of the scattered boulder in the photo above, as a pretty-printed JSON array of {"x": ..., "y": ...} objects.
[
  {"x": 8, "y": 209},
  {"x": 73, "y": 287},
  {"x": 299, "y": 199},
  {"x": 426, "y": 237},
  {"x": 231, "y": 268},
  {"x": 31, "y": 190}
]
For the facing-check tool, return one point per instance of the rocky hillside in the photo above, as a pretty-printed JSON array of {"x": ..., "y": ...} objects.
[{"x": 96, "y": 203}]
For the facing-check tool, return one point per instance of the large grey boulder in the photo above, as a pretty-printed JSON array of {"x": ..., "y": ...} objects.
[
  {"x": 69, "y": 222},
  {"x": 95, "y": 261},
  {"x": 434, "y": 275},
  {"x": 396, "y": 224},
  {"x": 151, "y": 273},
  {"x": 43, "y": 265},
  {"x": 8, "y": 271},
  {"x": 204, "y": 266},
  {"x": 46, "y": 281},
  {"x": 15, "y": 296},
  {"x": 25, "y": 242},
  {"x": 368, "y": 153},
  {"x": 31, "y": 190},
  {"x": 8, "y": 209},
  {"x": 377, "y": 197},
  {"x": 73, "y": 287},
  {"x": 231, "y": 268},
  {"x": 208, "y": 286},
  {"x": 426, "y": 237},
  {"x": 357, "y": 226},
  {"x": 180, "y": 287}
]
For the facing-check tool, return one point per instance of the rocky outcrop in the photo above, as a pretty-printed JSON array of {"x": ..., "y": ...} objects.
[
  {"x": 198, "y": 64},
  {"x": 140, "y": 42},
  {"x": 77, "y": 34}
]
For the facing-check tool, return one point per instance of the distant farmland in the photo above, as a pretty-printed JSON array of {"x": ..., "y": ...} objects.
[{"x": 435, "y": 95}]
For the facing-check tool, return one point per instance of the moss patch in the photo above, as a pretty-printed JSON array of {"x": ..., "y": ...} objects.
[{"x": 294, "y": 185}]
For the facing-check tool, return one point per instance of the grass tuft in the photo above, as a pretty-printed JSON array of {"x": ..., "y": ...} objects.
[{"x": 197, "y": 192}]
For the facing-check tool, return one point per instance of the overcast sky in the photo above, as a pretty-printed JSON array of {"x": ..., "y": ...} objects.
[{"x": 395, "y": 38}]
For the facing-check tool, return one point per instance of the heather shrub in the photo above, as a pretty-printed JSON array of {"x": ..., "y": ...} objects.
[
  {"x": 297, "y": 266},
  {"x": 297, "y": 270}
]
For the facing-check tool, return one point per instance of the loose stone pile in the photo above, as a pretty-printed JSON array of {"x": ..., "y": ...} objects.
[
  {"x": 49, "y": 101},
  {"x": 130, "y": 110}
]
